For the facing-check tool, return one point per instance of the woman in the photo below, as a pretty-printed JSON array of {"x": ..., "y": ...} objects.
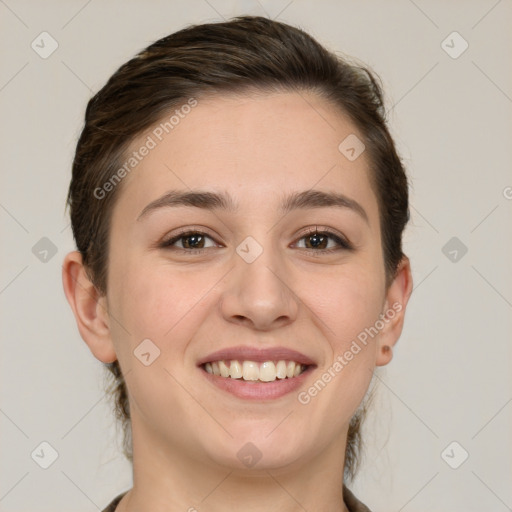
[{"x": 238, "y": 207}]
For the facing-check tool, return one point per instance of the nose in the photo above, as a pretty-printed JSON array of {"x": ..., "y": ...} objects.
[{"x": 258, "y": 294}]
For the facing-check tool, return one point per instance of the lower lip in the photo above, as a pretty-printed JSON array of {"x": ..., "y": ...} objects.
[{"x": 254, "y": 390}]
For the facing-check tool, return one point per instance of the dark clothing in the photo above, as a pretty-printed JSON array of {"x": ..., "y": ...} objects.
[
  {"x": 113, "y": 504},
  {"x": 353, "y": 504}
]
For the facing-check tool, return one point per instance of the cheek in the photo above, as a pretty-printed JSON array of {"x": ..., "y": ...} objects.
[
  {"x": 157, "y": 303},
  {"x": 347, "y": 304},
  {"x": 345, "y": 314}
]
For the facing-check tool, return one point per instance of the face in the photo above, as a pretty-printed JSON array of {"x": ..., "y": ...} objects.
[{"x": 287, "y": 267}]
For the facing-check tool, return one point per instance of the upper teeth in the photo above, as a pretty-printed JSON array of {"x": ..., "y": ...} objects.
[{"x": 250, "y": 370}]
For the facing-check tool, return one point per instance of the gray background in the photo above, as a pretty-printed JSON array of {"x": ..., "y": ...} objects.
[{"x": 450, "y": 379}]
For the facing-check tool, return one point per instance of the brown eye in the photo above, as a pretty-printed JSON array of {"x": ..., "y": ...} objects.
[
  {"x": 318, "y": 241},
  {"x": 190, "y": 240}
]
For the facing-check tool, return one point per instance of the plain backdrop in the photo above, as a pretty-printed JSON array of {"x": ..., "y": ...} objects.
[{"x": 447, "y": 394}]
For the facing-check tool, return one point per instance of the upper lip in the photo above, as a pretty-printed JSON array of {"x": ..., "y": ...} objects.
[{"x": 258, "y": 355}]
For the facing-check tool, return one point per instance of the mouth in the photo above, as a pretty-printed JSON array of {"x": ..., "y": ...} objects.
[
  {"x": 256, "y": 374},
  {"x": 252, "y": 371}
]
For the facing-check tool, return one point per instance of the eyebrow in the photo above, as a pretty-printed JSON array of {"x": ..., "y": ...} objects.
[{"x": 214, "y": 201}]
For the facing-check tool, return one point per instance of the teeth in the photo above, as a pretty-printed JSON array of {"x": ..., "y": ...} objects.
[
  {"x": 281, "y": 369},
  {"x": 235, "y": 370},
  {"x": 268, "y": 371},
  {"x": 251, "y": 370},
  {"x": 224, "y": 369}
]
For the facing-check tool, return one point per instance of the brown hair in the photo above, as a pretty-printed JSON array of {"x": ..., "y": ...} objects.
[{"x": 235, "y": 56}]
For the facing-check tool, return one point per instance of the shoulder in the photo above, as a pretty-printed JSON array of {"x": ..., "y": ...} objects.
[
  {"x": 113, "y": 504},
  {"x": 353, "y": 504}
]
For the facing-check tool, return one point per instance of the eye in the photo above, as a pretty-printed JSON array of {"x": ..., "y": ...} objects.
[
  {"x": 189, "y": 240},
  {"x": 315, "y": 241},
  {"x": 318, "y": 241}
]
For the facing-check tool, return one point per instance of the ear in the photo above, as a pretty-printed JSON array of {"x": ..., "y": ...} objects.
[
  {"x": 393, "y": 314},
  {"x": 89, "y": 308}
]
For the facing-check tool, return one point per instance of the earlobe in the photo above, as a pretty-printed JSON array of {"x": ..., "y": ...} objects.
[
  {"x": 385, "y": 356},
  {"x": 397, "y": 297},
  {"x": 89, "y": 308}
]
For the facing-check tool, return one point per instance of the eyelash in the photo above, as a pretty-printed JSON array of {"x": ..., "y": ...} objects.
[{"x": 342, "y": 243}]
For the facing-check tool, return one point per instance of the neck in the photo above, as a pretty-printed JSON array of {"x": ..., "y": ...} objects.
[{"x": 168, "y": 478}]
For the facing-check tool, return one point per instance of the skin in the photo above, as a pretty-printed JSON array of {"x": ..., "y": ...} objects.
[{"x": 186, "y": 432}]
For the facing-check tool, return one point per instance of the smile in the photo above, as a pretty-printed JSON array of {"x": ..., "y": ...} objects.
[
  {"x": 247, "y": 383},
  {"x": 267, "y": 371}
]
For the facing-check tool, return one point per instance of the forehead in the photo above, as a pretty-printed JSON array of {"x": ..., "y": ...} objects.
[{"x": 255, "y": 146}]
